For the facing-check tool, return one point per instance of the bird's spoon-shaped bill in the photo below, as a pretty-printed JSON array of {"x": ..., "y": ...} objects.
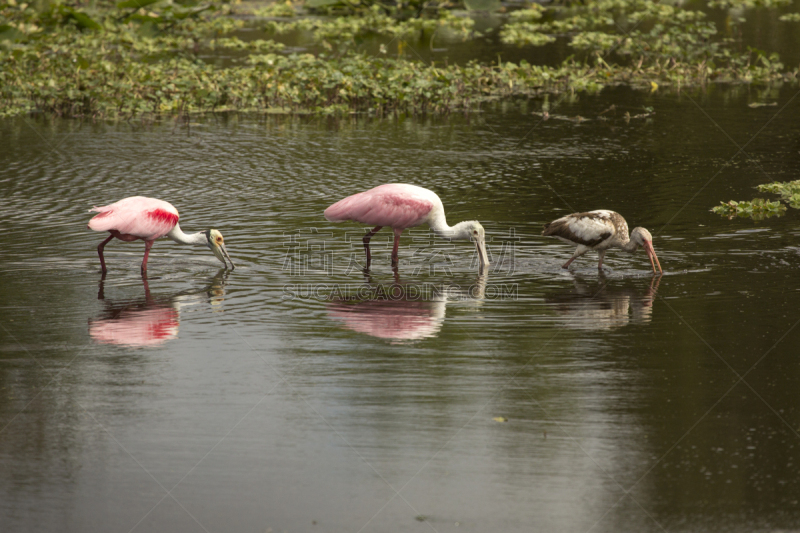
[
  {"x": 651, "y": 253},
  {"x": 481, "y": 247}
]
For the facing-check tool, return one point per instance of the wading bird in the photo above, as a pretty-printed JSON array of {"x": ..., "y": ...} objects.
[
  {"x": 402, "y": 206},
  {"x": 600, "y": 230},
  {"x": 148, "y": 219}
]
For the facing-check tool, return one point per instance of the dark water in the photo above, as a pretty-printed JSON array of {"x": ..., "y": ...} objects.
[{"x": 296, "y": 394}]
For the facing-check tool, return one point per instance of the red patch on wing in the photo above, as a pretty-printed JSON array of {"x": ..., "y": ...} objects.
[{"x": 162, "y": 216}]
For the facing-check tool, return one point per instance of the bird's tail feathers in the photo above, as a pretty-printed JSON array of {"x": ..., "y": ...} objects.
[{"x": 552, "y": 227}]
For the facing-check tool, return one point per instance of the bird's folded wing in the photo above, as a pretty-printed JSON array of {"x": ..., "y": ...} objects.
[
  {"x": 144, "y": 220},
  {"x": 381, "y": 209},
  {"x": 588, "y": 229}
]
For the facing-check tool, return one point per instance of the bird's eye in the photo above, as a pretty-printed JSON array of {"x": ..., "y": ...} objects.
[{"x": 475, "y": 232}]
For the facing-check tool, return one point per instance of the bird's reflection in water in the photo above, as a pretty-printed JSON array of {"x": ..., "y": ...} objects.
[
  {"x": 600, "y": 305},
  {"x": 403, "y": 312},
  {"x": 152, "y": 320}
]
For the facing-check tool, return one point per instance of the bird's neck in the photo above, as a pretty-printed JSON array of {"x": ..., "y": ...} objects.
[
  {"x": 177, "y": 235},
  {"x": 630, "y": 246},
  {"x": 459, "y": 232}
]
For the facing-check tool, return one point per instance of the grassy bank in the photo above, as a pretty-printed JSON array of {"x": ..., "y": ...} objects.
[{"x": 120, "y": 61}]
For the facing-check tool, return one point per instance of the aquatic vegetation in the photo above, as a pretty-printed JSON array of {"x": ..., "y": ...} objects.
[
  {"x": 595, "y": 41},
  {"x": 372, "y": 21},
  {"x": 530, "y": 14},
  {"x": 525, "y": 34},
  {"x": 788, "y": 190},
  {"x": 645, "y": 35},
  {"x": 757, "y": 209},
  {"x": 277, "y": 9},
  {"x": 140, "y": 57},
  {"x": 728, "y": 4}
]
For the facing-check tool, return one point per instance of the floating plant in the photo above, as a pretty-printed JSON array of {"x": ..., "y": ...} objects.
[
  {"x": 757, "y": 209},
  {"x": 788, "y": 190}
]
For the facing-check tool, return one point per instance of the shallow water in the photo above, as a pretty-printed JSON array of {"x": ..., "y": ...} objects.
[{"x": 295, "y": 393}]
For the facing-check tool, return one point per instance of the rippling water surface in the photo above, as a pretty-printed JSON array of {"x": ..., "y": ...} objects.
[{"x": 296, "y": 393}]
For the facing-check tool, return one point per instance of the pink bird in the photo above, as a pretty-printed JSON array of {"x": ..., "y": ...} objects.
[
  {"x": 600, "y": 230},
  {"x": 148, "y": 219},
  {"x": 402, "y": 206}
]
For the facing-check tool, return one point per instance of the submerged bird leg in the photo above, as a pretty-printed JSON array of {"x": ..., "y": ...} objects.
[
  {"x": 366, "y": 239},
  {"x": 147, "y": 246},
  {"x": 100, "y": 253},
  {"x": 395, "y": 259}
]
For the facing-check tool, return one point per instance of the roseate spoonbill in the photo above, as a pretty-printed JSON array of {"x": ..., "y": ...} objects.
[
  {"x": 401, "y": 206},
  {"x": 600, "y": 230},
  {"x": 138, "y": 217}
]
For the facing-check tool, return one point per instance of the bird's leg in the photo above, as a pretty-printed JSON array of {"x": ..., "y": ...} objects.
[
  {"x": 366, "y": 239},
  {"x": 578, "y": 252},
  {"x": 147, "y": 297},
  {"x": 100, "y": 253},
  {"x": 147, "y": 246},
  {"x": 395, "y": 259},
  {"x": 602, "y": 254}
]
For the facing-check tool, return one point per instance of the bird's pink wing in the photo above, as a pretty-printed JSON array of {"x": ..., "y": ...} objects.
[
  {"x": 145, "y": 218},
  {"x": 382, "y": 206}
]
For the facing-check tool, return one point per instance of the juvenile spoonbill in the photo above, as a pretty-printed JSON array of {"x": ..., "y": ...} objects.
[{"x": 600, "y": 230}]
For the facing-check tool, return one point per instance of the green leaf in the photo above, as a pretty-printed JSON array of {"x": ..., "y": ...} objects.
[
  {"x": 321, "y": 3},
  {"x": 83, "y": 20},
  {"x": 9, "y": 33},
  {"x": 136, "y": 4}
]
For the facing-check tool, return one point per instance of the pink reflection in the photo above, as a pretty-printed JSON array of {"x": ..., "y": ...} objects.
[
  {"x": 148, "y": 321},
  {"x": 403, "y": 319},
  {"x": 145, "y": 326},
  {"x": 398, "y": 320},
  {"x": 144, "y": 322}
]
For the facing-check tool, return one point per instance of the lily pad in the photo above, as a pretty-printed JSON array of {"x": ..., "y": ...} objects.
[{"x": 83, "y": 20}]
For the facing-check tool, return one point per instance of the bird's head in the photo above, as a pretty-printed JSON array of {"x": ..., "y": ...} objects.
[
  {"x": 473, "y": 231},
  {"x": 643, "y": 238},
  {"x": 217, "y": 245}
]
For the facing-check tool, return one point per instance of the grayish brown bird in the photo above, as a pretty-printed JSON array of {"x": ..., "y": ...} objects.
[{"x": 600, "y": 230}]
